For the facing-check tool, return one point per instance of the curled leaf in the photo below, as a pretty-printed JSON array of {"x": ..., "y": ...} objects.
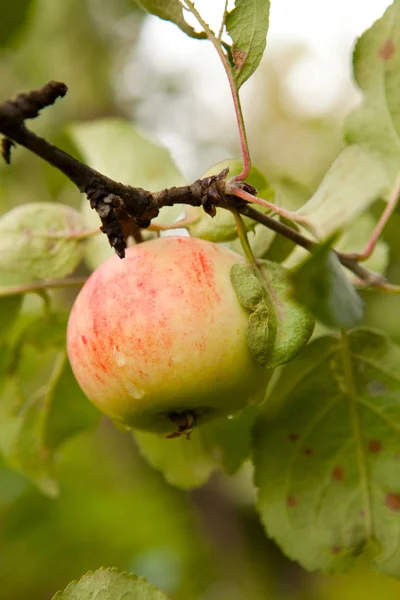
[
  {"x": 279, "y": 327},
  {"x": 248, "y": 287}
]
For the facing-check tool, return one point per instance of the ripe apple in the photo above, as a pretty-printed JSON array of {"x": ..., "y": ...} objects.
[{"x": 158, "y": 340}]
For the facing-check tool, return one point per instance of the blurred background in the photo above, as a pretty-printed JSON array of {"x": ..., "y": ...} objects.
[{"x": 113, "y": 509}]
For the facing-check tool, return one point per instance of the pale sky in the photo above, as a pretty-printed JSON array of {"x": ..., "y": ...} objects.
[{"x": 327, "y": 29}]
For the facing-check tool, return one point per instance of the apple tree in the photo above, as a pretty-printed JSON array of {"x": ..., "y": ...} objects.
[{"x": 211, "y": 320}]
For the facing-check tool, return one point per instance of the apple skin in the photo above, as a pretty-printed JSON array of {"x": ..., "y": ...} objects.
[{"x": 162, "y": 333}]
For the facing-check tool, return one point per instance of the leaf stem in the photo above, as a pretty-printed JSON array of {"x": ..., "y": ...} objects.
[
  {"x": 347, "y": 365},
  {"x": 221, "y": 29},
  {"x": 182, "y": 223},
  {"x": 234, "y": 92},
  {"x": 385, "y": 216},
  {"x": 39, "y": 286},
  {"x": 233, "y": 190}
]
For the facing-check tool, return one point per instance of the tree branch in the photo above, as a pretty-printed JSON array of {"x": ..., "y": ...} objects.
[{"x": 124, "y": 209}]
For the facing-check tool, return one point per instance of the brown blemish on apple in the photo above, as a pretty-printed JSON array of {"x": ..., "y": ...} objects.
[
  {"x": 308, "y": 451},
  {"x": 387, "y": 50},
  {"x": 336, "y": 549},
  {"x": 337, "y": 474},
  {"x": 375, "y": 446},
  {"x": 293, "y": 437},
  {"x": 291, "y": 501},
  {"x": 99, "y": 378},
  {"x": 392, "y": 501}
]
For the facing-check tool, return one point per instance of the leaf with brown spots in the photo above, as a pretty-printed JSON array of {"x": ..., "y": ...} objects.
[
  {"x": 368, "y": 166},
  {"x": 387, "y": 50},
  {"x": 247, "y": 25},
  {"x": 375, "y": 124},
  {"x": 334, "y": 483}
]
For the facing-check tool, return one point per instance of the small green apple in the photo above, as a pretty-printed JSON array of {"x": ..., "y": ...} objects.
[{"x": 158, "y": 341}]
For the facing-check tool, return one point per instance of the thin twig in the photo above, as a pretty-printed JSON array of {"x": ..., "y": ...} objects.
[
  {"x": 287, "y": 214},
  {"x": 234, "y": 92},
  {"x": 221, "y": 29},
  {"x": 182, "y": 223},
  {"x": 376, "y": 234},
  {"x": 38, "y": 286},
  {"x": 370, "y": 278},
  {"x": 78, "y": 235}
]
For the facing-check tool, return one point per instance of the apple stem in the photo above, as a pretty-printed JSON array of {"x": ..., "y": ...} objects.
[{"x": 242, "y": 234}]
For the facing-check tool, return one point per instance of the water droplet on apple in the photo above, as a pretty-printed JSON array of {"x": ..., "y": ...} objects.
[
  {"x": 134, "y": 391},
  {"x": 119, "y": 357}
]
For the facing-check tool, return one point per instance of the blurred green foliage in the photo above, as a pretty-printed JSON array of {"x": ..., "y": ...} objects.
[{"x": 113, "y": 509}]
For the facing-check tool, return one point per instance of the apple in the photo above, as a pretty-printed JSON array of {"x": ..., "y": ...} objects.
[{"x": 158, "y": 340}]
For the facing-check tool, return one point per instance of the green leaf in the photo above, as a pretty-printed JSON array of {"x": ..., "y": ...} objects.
[
  {"x": 12, "y": 17},
  {"x": 224, "y": 443},
  {"x": 171, "y": 10},
  {"x": 251, "y": 295},
  {"x": 321, "y": 285},
  {"x": 10, "y": 306},
  {"x": 138, "y": 162},
  {"x": 368, "y": 168},
  {"x": 39, "y": 240},
  {"x": 279, "y": 327},
  {"x": 354, "y": 181},
  {"x": 9, "y": 310},
  {"x": 293, "y": 323},
  {"x": 247, "y": 25},
  {"x": 116, "y": 149},
  {"x": 40, "y": 402},
  {"x": 248, "y": 287},
  {"x": 334, "y": 485},
  {"x": 110, "y": 584},
  {"x": 376, "y": 123}
]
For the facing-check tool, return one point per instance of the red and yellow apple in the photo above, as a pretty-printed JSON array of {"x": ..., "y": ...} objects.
[{"x": 158, "y": 340}]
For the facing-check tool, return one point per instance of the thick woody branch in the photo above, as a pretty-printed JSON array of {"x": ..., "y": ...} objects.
[{"x": 124, "y": 209}]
